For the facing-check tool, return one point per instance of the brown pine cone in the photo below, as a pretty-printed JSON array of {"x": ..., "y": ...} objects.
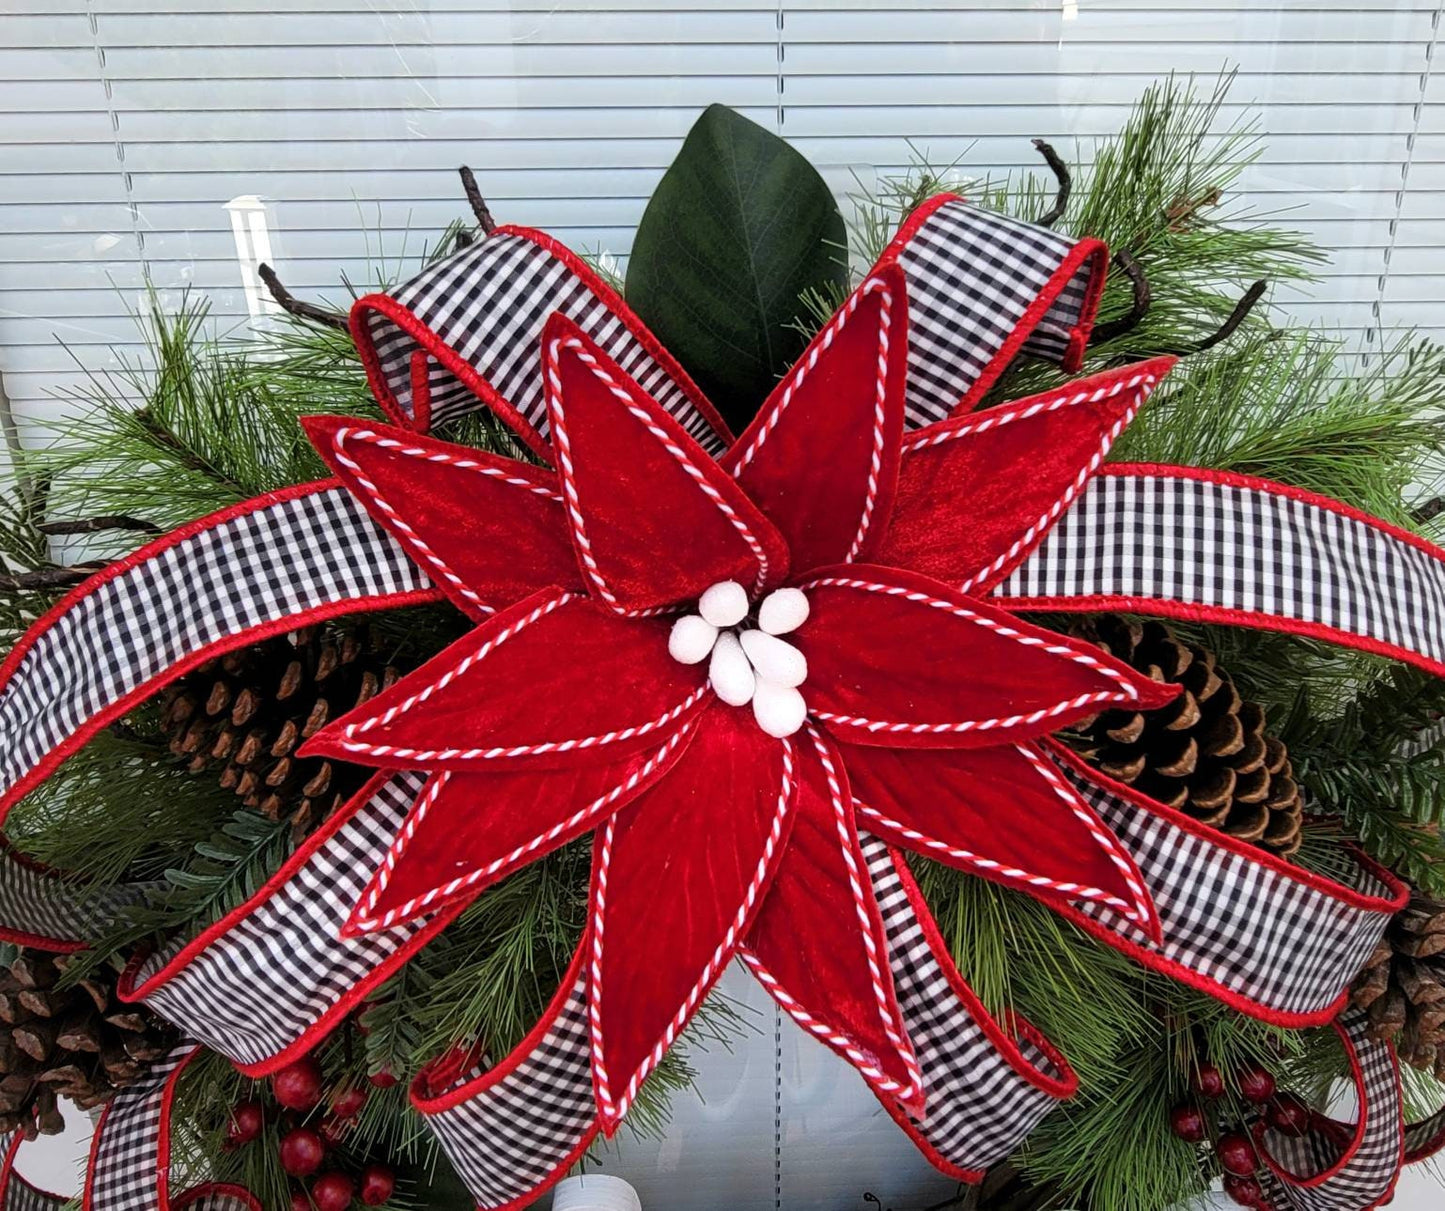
[
  {"x": 79, "y": 1042},
  {"x": 1207, "y": 753},
  {"x": 245, "y": 714},
  {"x": 1402, "y": 986}
]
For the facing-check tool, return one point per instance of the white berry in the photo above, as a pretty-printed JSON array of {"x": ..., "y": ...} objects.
[
  {"x": 779, "y": 709},
  {"x": 774, "y": 659},
  {"x": 730, "y": 673},
  {"x": 691, "y": 639},
  {"x": 782, "y": 611},
  {"x": 725, "y": 604}
]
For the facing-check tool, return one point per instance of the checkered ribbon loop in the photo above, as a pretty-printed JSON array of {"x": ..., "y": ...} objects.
[
  {"x": 1271, "y": 939},
  {"x": 1185, "y": 543},
  {"x": 130, "y": 1157},
  {"x": 981, "y": 287},
  {"x": 271, "y": 979},
  {"x": 43, "y": 909},
  {"x": 16, "y": 1194},
  {"x": 1342, "y": 1166}
]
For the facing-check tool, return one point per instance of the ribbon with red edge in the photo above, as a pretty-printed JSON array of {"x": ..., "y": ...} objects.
[{"x": 435, "y": 350}]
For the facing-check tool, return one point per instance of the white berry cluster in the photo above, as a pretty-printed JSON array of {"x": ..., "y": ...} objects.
[{"x": 748, "y": 664}]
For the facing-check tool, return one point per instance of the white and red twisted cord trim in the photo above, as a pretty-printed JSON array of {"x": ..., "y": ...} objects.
[
  {"x": 365, "y": 921},
  {"x": 351, "y": 744},
  {"x": 800, "y": 374},
  {"x": 572, "y": 503},
  {"x": 1080, "y": 891},
  {"x": 615, "y": 1108},
  {"x": 998, "y": 417},
  {"x": 405, "y": 532},
  {"x": 975, "y": 725}
]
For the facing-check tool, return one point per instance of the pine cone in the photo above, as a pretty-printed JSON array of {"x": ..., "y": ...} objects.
[
  {"x": 1402, "y": 986},
  {"x": 79, "y": 1042},
  {"x": 246, "y": 713},
  {"x": 1207, "y": 753}
]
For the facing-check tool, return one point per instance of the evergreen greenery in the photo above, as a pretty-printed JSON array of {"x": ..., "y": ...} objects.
[{"x": 216, "y": 423}]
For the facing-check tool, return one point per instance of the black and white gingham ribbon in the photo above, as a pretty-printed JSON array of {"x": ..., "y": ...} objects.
[
  {"x": 979, "y": 1102},
  {"x": 1342, "y": 1167},
  {"x": 273, "y": 561},
  {"x": 1269, "y": 939},
  {"x": 275, "y": 975},
  {"x": 1179, "y": 542},
  {"x": 16, "y": 1194},
  {"x": 43, "y": 909},
  {"x": 976, "y": 287},
  {"x": 978, "y": 283},
  {"x": 512, "y": 1131}
]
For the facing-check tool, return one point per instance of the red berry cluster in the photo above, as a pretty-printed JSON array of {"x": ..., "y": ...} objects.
[
  {"x": 1234, "y": 1148},
  {"x": 298, "y": 1090}
]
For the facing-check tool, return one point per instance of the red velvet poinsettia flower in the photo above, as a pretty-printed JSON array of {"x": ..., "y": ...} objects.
[{"x": 725, "y": 667}]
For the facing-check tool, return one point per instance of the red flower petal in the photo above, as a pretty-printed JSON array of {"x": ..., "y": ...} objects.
[
  {"x": 469, "y": 830},
  {"x": 488, "y": 530},
  {"x": 555, "y": 680},
  {"x": 677, "y": 878},
  {"x": 978, "y": 492},
  {"x": 654, "y": 519},
  {"x": 821, "y": 458},
  {"x": 902, "y": 661},
  {"x": 1003, "y": 813},
  {"x": 818, "y": 944}
]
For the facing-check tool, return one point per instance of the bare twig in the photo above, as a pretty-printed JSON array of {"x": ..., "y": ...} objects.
[
  {"x": 48, "y": 578},
  {"x": 1143, "y": 297},
  {"x": 294, "y": 306},
  {"x": 1240, "y": 313},
  {"x": 93, "y": 525},
  {"x": 1061, "y": 175},
  {"x": 1428, "y": 511},
  {"x": 477, "y": 202}
]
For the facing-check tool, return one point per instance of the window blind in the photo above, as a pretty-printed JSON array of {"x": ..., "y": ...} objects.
[{"x": 129, "y": 124}]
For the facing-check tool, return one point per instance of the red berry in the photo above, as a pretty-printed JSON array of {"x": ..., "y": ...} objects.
[
  {"x": 1256, "y": 1084},
  {"x": 1246, "y": 1191},
  {"x": 299, "y": 1201},
  {"x": 384, "y": 1079},
  {"x": 247, "y": 1120},
  {"x": 1187, "y": 1123},
  {"x": 299, "y": 1086},
  {"x": 1288, "y": 1115},
  {"x": 348, "y": 1103},
  {"x": 377, "y": 1184},
  {"x": 334, "y": 1130},
  {"x": 1236, "y": 1154},
  {"x": 1208, "y": 1082},
  {"x": 302, "y": 1152},
  {"x": 332, "y": 1192}
]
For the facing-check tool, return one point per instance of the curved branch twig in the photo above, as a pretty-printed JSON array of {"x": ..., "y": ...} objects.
[
  {"x": 294, "y": 306},
  {"x": 1143, "y": 298},
  {"x": 1065, "y": 182},
  {"x": 93, "y": 525},
  {"x": 1241, "y": 311},
  {"x": 477, "y": 202}
]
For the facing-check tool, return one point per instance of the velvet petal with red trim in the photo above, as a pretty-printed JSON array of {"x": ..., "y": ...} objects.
[
  {"x": 979, "y": 491},
  {"x": 557, "y": 680},
  {"x": 819, "y": 941},
  {"x": 1001, "y": 812},
  {"x": 902, "y": 661},
  {"x": 678, "y": 876},
  {"x": 488, "y": 530},
  {"x": 654, "y": 519},
  {"x": 470, "y": 830},
  {"x": 821, "y": 457}
]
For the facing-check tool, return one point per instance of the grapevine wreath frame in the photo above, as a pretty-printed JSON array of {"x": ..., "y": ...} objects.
[{"x": 519, "y": 325}]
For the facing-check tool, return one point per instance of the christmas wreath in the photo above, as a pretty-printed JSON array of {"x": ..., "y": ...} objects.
[{"x": 1059, "y": 758}]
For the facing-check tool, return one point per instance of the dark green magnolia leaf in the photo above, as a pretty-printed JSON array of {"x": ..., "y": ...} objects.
[{"x": 740, "y": 227}]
